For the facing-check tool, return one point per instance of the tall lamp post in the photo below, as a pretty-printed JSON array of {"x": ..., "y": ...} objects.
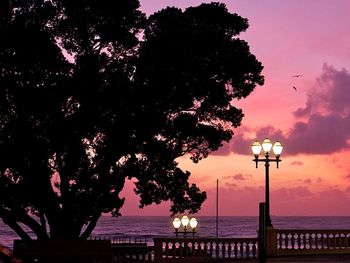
[{"x": 266, "y": 146}]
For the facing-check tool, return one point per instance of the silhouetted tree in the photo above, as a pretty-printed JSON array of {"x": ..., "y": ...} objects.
[{"x": 93, "y": 93}]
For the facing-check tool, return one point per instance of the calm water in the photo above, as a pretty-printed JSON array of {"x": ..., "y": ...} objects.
[{"x": 157, "y": 226}]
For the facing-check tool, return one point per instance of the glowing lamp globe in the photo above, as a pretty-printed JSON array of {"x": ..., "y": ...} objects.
[
  {"x": 266, "y": 145},
  {"x": 185, "y": 221},
  {"x": 193, "y": 223},
  {"x": 277, "y": 148},
  {"x": 176, "y": 223},
  {"x": 256, "y": 148}
]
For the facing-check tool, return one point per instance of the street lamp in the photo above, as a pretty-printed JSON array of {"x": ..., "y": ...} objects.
[
  {"x": 266, "y": 146},
  {"x": 185, "y": 221}
]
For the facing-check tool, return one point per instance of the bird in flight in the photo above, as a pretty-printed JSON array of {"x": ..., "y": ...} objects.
[
  {"x": 297, "y": 76},
  {"x": 295, "y": 88}
]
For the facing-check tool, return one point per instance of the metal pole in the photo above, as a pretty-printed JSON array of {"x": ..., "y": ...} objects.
[
  {"x": 217, "y": 208},
  {"x": 267, "y": 190},
  {"x": 262, "y": 233}
]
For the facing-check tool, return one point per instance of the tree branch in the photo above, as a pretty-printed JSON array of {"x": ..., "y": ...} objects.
[
  {"x": 87, "y": 232},
  {"x": 9, "y": 220}
]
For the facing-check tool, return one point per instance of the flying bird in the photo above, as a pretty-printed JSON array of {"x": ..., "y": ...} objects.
[
  {"x": 295, "y": 88},
  {"x": 297, "y": 76}
]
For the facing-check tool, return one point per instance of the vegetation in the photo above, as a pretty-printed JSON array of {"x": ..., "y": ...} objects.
[{"x": 93, "y": 93}]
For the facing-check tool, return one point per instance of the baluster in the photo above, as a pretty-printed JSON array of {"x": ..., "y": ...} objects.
[
  {"x": 223, "y": 249},
  {"x": 254, "y": 249},
  {"x": 286, "y": 241},
  {"x": 229, "y": 250},
  {"x": 164, "y": 248},
  {"x": 316, "y": 241},
  {"x": 195, "y": 249},
  {"x": 217, "y": 250},
  {"x": 280, "y": 240},
  {"x": 236, "y": 249},
  {"x": 181, "y": 249},
  {"x": 211, "y": 248},
  {"x": 328, "y": 241},
  {"x": 299, "y": 241},
  {"x": 241, "y": 249},
  {"x": 176, "y": 249},
  {"x": 205, "y": 249},
  {"x": 304, "y": 241},
  {"x": 247, "y": 247},
  {"x": 310, "y": 241},
  {"x": 187, "y": 249},
  {"x": 190, "y": 247},
  {"x": 202, "y": 249},
  {"x": 292, "y": 241}
]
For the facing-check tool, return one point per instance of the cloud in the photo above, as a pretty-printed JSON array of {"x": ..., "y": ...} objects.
[
  {"x": 308, "y": 181},
  {"x": 291, "y": 193},
  {"x": 347, "y": 177},
  {"x": 224, "y": 150},
  {"x": 331, "y": 94},
  {"x": 301, "y": 201},
  {"x": 230, "y": 185},
  {"x": 325, "y": 124},
  {"x": 319, "y": 180},
  {"x": 238, "y": 177},
  {"x": 297, "y": 163}
]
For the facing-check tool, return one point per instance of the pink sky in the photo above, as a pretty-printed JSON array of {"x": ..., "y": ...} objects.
[{"x": 313, "y": 123}]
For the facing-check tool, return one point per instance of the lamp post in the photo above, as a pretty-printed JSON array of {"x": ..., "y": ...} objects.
[
  {"x": 266, "y": 146},
  {"x": 185, "y": 221}
]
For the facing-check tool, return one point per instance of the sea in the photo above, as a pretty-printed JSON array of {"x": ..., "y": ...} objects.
[{"x": 146, "y": 228}]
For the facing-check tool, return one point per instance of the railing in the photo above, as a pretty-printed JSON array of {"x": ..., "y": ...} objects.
[
  {"x": 120, "y": 239},
  {"x": 316, "y": 241},
  {"x": 181, "y": 249},
  {"x": 128, "y": 249},
  {"x": 132, "y": 253}
]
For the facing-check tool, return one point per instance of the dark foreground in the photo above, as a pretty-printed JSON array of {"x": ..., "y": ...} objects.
[{"x": 301, "y": 259}]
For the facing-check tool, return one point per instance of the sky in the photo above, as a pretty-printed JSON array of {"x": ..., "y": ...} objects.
[{"x": 312, "y": 121}]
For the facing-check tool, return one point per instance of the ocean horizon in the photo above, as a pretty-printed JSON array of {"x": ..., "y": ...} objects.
[{"x": 148, "y": 227}]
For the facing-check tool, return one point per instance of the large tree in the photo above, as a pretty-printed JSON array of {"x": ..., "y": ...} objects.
[{"x": 93, "y": 93}]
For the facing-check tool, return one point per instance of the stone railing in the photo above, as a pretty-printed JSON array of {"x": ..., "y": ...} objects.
[
  {"x": 199, "y": 249},
  {"x": 315, "y": 241},
  {"x": 132, "y": 253}
]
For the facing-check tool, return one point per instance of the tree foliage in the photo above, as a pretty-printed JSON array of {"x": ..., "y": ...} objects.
[{"x": 93, "y": 93}]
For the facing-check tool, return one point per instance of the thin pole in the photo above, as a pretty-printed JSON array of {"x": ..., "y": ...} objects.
[
  {"x": 217, "y": 208},
  {"x": 267, "y": 191}
]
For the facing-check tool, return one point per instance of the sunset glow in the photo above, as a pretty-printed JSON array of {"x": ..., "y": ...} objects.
[{"x": 304, "y": 103}]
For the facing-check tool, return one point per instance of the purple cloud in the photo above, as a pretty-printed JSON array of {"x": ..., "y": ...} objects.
[
  {"x": 325, "y": 127},
  {"x": 224, "y": 150},
  {"x": 331, "y": 94}
]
